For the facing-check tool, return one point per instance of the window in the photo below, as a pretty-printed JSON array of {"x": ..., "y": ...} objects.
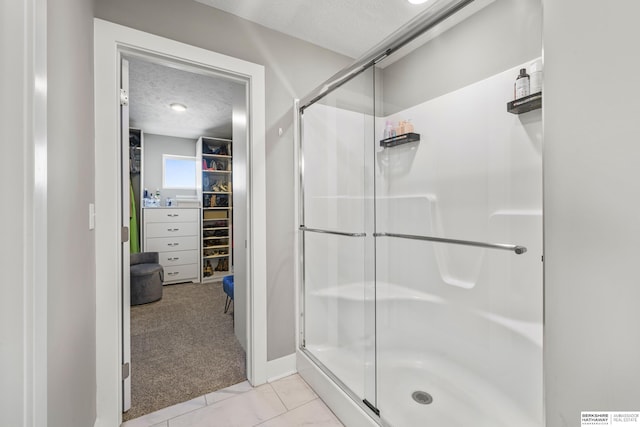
[{"x": 179, "y": 172}]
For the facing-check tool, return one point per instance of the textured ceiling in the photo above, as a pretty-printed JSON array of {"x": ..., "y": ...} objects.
[
  {"x": 350, "y": 27},
  {"x": 152, "y": 87}
]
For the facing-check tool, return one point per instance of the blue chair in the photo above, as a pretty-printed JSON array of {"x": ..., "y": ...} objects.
[{"x": 227, "y": 287}]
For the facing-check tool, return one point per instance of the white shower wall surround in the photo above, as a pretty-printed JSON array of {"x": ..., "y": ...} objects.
[{"x": 461, "y": 323}]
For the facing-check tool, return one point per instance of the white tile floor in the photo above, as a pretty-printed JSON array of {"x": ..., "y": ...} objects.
[{"x": 288, "y": 402}]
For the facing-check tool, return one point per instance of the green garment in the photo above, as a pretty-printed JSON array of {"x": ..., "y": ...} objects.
[{"x": 134, "y": 244}]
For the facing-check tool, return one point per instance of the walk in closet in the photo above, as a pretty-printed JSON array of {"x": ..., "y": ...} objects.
[{"x": 190, "y": 228}]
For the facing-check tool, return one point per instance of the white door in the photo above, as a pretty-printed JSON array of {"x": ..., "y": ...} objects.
[
  {"x": 125, "y": 217},
  {"x": 240, "y": 224}
]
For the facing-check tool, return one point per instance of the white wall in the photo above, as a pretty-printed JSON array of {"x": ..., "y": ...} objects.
[
  {"x": 293, "y": 68},
  {"x": 71, "y": 269},
  {"x": 592, "y": 208}
]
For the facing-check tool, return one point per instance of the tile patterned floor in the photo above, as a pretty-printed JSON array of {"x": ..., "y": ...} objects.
[{"x": 288, "y": 402}]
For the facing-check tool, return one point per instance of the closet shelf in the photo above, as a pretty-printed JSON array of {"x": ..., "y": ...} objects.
[
  {"x": 215, "y": 256},
  {"x": 214, "y": 228},
  {"x": 217, "y": 208},
  {"x": 215, "y": 171},
  {"x": 216, "y": 276},
  {"x": 215, "y": 156},
  {"x": 400, "y": 139},
  {"x": 216, "y": 192},
  {"x": 525, "y": 104}
]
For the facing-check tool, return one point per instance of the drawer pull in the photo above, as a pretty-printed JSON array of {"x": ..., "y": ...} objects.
[
  {"x": 173, "y": 259},
  {"x": 173, "y": 215},
  {"x": 173, "y": 229},
  {"x": 173, "y": 273},
  {"x": 173, "y": 244}
]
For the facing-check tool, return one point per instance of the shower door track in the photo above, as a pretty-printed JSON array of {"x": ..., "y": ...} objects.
[
  {"x": 367, "y": 407},
  {"x": 517, "y": 249}
]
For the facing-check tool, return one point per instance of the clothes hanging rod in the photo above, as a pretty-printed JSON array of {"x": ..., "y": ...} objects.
[
  {"x": 411, "y": 30},
  {"x": 338, "y": 233},
  {"x": 519, "y": 250}
]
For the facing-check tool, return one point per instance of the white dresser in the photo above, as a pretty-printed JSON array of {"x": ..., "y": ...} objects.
[{"x": 175, "y": 234}]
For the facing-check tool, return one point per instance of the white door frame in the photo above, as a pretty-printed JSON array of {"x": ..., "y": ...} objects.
[
  {"x": 125, "y": 246},
  {"x": 23, "y": 158},
  {"x": 109, "y": 38}
]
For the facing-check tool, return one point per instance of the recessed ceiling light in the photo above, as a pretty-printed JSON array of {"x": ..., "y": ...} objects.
[
  {"x": 178, "y": 107},
  {"x": 417, "y": 1}
]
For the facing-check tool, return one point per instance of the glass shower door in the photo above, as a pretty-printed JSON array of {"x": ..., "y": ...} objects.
[
  {"x": 337, "y": 238},
  {"x": 421, "y": 231},
  {"x": 459, "y": 299}
]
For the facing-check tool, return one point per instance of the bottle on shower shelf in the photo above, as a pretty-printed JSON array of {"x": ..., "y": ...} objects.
[
  {"x": 521, "y": 86},
  {"x": 404, "y": 127},
  {"x": 388, "y": 130},
  {"x": 408, "y": 126},
  {"x": 535, "y": 76}
]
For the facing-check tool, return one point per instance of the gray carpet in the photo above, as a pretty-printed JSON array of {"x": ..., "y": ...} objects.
[{"x": 182, "y": 347}]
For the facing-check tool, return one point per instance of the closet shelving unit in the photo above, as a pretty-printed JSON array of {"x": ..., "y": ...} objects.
[{"x": 216, "y": 194}]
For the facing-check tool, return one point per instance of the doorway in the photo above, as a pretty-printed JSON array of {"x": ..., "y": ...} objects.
[
  {"x": 181, "y": 336},
  {"x": 111, "y": 41}
]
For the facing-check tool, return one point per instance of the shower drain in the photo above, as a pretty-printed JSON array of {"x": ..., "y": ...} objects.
[{"x": 422, "y": 397}]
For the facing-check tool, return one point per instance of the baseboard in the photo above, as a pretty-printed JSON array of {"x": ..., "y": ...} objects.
[{"x": 282, "y": 367}]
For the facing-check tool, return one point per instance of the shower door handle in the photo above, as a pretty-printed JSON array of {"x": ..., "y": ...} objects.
[
  {"x": 337, "y": 233},
  {"x": 517, "y": 249}
]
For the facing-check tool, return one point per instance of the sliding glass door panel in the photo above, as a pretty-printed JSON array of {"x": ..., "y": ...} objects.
[
  {"x": 337, "y": 234},
  {"x": 459, "y": 317}
]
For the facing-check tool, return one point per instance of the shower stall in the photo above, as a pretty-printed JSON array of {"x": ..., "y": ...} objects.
[{"x": 420, "y": 223}]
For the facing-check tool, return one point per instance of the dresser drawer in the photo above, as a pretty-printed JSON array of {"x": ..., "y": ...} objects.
[
  {"x": 170, "y": 229},
  {"x": 179, "y": 257},
  {"x": 169, "y": 244},
  {"x": 171, "y": 215},
  {"x": 181, "y": 273}
]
